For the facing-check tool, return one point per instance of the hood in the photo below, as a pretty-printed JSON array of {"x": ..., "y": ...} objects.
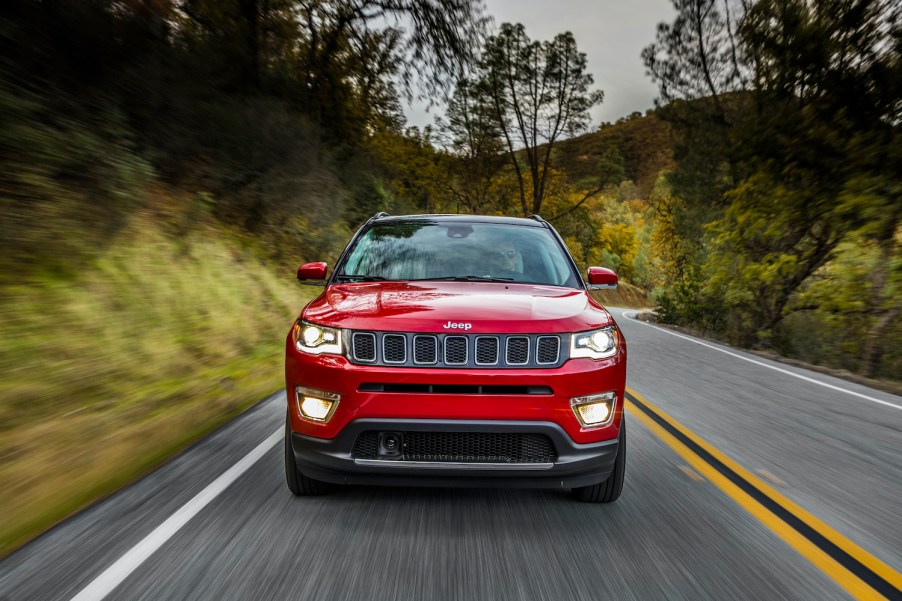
[{"x": 438, "y": 306}]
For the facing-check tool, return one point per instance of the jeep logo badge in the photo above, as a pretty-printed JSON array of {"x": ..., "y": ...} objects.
[{"x": 457, "y": 326}]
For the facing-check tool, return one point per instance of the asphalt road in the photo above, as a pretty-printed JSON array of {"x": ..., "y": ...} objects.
[{"x": 216, "y": 523}]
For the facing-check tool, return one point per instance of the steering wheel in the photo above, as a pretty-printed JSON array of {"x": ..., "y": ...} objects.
[{"x": 514, "y": 275}]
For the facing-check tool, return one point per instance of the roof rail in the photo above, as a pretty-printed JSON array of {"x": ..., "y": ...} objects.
[
  {"x": 380, "y": 215},
  {"x": 538, "y": 218}
]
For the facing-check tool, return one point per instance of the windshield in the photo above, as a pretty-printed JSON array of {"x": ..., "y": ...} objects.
[{"x": 455, "y": 250}]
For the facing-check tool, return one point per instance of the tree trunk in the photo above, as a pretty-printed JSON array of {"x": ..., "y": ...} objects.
[
  {"x": 871, "y": 348},
  {"x": 817, "y": 257},
  {"x": 250, "y": 14}
]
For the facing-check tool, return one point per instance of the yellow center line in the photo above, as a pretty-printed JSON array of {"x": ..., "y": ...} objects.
[{"x": 839, "y": 573}]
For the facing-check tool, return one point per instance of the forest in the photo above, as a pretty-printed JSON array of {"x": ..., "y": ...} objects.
[{"x": 166, "y": 164}]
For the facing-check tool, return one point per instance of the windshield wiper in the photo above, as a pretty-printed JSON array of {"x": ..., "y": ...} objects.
[
  {"x": 361, "y": 278},
  {"x": 465, "y": 278}
]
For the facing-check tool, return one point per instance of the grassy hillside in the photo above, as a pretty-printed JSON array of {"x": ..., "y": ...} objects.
[
  {"x": 643, "y": 143},
  {"x": 626, "y": 295},
  {"x": 159, "y": 338}
]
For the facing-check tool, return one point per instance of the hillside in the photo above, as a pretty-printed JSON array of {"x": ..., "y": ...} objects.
[
  {"x": 161, "y": 336},
  {"x": 643, "y": 142}
]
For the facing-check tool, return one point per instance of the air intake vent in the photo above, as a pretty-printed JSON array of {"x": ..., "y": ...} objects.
[
  {"x": 404, "y": 388},
  {"x": 548, "y": 350},
  {"x": 517, "y": 350},
  {"x": 364, "y": 347},
  {"x": 425, "y": 350},
  {"x": 394, "y": 348},
  {"x": 486, "y": 350},
  {"x": 455, "y": 350},
  {"x": 464, "y": 447}
]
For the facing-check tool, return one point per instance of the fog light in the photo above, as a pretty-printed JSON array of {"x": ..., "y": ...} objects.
[
  {"x": 594, "y": 413},
  {"x": 317, "y": 405},
  {"x": 595, "y": 409}
]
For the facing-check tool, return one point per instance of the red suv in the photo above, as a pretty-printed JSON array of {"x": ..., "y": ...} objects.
[{"x": 456, "y": 350}]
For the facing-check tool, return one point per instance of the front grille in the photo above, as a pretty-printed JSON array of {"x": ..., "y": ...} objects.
[
  {"x": 517, "y": 350},
  {"x": 425, "y": 350},
  {"x": 548, "y": 349},
  {"x": 457, "y": 350},
  {"x": 364, "y": 347},
  {"x": 486, "y": 350},
  {"x": 394, "y": 348},
  {"x": 464, "y": 447}
]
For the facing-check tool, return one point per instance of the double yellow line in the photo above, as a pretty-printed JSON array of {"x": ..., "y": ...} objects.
[{"x": 860, "y": 573}]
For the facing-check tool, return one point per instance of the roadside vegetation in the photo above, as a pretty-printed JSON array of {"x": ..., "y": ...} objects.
[
  {"x": 165, "y": 165},
  {"x": 110, "y": 370}
]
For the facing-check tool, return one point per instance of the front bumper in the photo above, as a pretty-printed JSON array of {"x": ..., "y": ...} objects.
[
  {"x": 331, "y": 460},
  {"x": 336, "y": 374}
]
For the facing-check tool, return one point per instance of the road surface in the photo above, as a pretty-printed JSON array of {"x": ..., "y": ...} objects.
[{"x": 746, "y": 479}]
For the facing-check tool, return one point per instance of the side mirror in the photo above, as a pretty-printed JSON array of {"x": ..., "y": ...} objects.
[
  {"x": 312, "y": 271},
  {"x": 601, "y": 278}
]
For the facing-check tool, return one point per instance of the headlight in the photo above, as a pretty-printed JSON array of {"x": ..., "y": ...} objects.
[
  {"x": 596, "y": 344},
  {"x": 316, "y": 340}
]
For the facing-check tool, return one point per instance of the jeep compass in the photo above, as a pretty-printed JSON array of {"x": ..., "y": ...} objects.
[{"x": 456, "y": 350}]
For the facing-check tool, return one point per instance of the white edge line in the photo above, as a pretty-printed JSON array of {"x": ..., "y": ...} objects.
[
  {"x": 773, "y": 367},
  {"x": 113, "y": 576}
]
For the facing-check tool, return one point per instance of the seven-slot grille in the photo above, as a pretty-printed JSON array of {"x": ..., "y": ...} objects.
[
  {"x": 457, "y": 350},
  {"x": 464, "y": 447}
]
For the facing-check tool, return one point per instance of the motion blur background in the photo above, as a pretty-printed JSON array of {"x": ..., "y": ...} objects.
[{"x": 166, "y": 164}]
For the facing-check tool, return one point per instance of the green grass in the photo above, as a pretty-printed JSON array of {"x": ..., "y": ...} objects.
[
  {"x": 643, "y": 143},
  {"x": 156, "y": 342},
  {"x": 625, "y": 295}
]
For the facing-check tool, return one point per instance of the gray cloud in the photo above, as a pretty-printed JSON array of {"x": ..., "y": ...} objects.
[{"x": 612, "y": 33}]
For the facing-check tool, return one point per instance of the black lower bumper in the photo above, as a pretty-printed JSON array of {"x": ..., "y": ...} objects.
[{"x": 331, "y": 460}]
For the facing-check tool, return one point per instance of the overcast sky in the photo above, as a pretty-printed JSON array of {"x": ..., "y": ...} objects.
[{"x": 612, "y": 33}]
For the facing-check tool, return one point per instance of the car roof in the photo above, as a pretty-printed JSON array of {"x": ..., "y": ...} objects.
[{"x": 450, "y": 218}]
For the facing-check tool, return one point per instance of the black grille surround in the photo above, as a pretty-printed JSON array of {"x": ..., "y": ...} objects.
[
  {"x": 463, "y": 447},
  {"x": 457, "y": 351}
]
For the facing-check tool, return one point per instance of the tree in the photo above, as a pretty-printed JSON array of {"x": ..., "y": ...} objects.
[
  {"x": 345, "y": 63},
  {"x": 538, "y": 92},
  {"x": 417, "y": 44},
  {"x": 826, "y": 123},
  {"x": 698, "y": 63},
  {"x": 238, "y": 41},
  {"x": 697, "y": 56},
  {"x": 803, "y": 97},
  {"x": 476, "y": 148}
]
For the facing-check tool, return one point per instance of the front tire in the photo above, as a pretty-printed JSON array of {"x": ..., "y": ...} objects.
[
  {"x": 299, "y": 484},
  {"x": 609, "y": 490}
]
